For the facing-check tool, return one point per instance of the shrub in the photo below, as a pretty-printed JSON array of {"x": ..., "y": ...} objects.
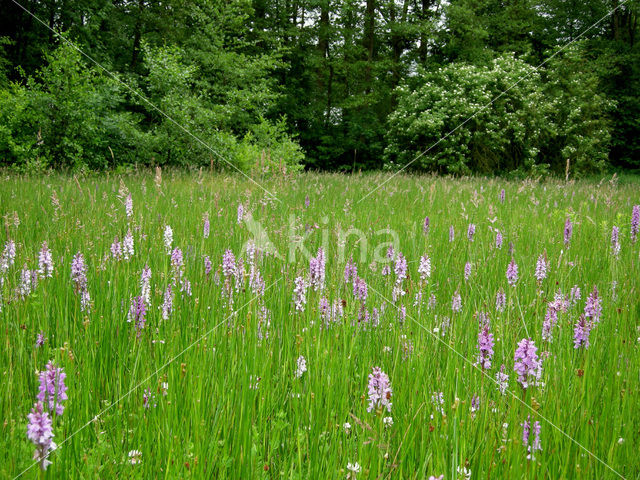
[
  {"x": 500, "y": 118},
  {"x": 72, "y": 116},
  {"x": 65, "y": 117}
]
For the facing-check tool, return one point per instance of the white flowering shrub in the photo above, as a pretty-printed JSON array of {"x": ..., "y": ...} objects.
[{"x": 504, "y": 117}]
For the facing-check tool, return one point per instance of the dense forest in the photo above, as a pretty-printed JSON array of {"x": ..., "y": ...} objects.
[{"x": 458, "y": 86}]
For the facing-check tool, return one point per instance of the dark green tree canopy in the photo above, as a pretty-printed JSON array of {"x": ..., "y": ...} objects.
[{"x": 324, "y": 83}]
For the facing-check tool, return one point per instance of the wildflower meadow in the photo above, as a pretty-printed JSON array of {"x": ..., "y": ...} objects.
[{"x": 167, "y": 324}]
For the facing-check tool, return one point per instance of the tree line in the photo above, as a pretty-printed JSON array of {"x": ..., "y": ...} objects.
[{"x": 457, "y": 86}]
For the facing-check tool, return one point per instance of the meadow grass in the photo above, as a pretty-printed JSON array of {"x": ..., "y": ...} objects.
[{"x": 225, "y": 402}]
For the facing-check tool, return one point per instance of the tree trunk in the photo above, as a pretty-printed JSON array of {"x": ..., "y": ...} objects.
[
  {"x": 616, "y": 21},
  {"x": 52, "y": 18},
  {"x": 137, "y": 35},
  {"x": 323, "y": 50},
  {"x": 397, "y": 44},
  {"x": 369, "y": 40},
  {"x": 424, "y": 15}
]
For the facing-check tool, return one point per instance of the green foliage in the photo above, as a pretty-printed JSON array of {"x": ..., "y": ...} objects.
[
  {"x": 182, "y": 127},
  {"x": 332, "y": 68},
  {"x": 4, "y": 62},
  {"x": 579, "y": 115},
  {"x": 66, "y": 116},
  {"x": 235, "y": 77},
  {"x": 188, "y": 129},
  {"x": 499, "y": 118},
  {"x": 272, "y": 145},
  {"x": 70, "y": 115},
  {"x": 467, "y": 34},
  {"x": 618, "y": 70}
]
